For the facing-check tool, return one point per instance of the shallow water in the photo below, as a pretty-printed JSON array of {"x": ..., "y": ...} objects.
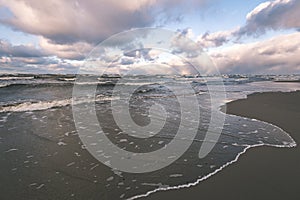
[{"x": 43, "y": 155}]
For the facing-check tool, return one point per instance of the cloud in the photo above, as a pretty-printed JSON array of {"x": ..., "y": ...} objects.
[
  {"x": 278, "y": 14},
  {"x": 214, "y": 39},
  {"x": 69, "y": 30},
  {"x": 270, "y": 15},
  {"x": 89, "y": 21},
  {"x": 143, "y": 53},
  {"x": 7, "y": 49},
  {"x": 76, "y": 51},
  {"x": 74, "y": 21},
  {"x": 127, "y": 61},
  {"x": 182, "y": 43},
  {"x": 274, "y": 56},
  {"x": 167, "y": 52},
  {"x": 28, "y": 58},
  {"x": 36, "y": 65}
]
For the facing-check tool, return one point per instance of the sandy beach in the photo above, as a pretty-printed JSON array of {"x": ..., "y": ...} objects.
[{"x": 262, "y": 172}]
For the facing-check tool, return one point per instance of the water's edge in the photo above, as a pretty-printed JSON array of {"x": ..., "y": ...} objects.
[{"x": 247, "y": 147}]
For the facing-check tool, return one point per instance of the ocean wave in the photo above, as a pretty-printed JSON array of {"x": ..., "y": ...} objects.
[
  {"x": 45, "y": 105},
  {"x": 67, "y": 79},
  {"x": 35, "y": 84},
  {"x": 95, "y": 83},
  {"x": 141, "y": 83},
  {"x": 8, "y": 78},
  {"x": 4, "y": 85},
  {"x": 57, "y": 83},
  {"x": 35, "y": 106}
]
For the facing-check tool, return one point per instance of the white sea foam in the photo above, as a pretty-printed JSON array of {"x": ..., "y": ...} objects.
[
  {"x": 40, "y": 186},
  {"x": 175, "y": 175},
  {"x": 70, "y": 164},
  {"x": 11, "y": 150},
  {"x": 35, "y": 106},
  {"x": 67, "y": 79},
  {"x": 4, "y": 85},
  {"x": 7, "y": 78},
  {"x": 93, "y": 83},
  {"x": 44, "y": 105},
  {"x": 141, "y": 83},
  {"x": 61, "y": 144},
  {"x": 192, "y": 184}
]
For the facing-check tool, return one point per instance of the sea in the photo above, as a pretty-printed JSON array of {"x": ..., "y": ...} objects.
[{"x": 49, "y": 151}]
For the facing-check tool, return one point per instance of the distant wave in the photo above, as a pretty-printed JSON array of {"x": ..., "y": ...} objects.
[
  {"x": 7, "y": 78},
  {"x": 58, "y": 83},
  {"x": 67, "y": 79},
  {"x": 71, "y": 83},
  {"x": 95, "y": 83},
  {"x": 33, "y": 84}
]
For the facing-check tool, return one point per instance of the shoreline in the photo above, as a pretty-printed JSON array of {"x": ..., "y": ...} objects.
[
  {"x": 184, "y": 188},
  {"x": 206, "y": 189}
]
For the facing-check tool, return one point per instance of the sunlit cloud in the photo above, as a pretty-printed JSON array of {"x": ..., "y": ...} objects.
[
  {"x": 273, "y": 56},
  {"x": 68, "y": 31}
]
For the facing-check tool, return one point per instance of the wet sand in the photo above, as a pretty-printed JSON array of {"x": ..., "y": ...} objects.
[{"x": 262, "y": 172}]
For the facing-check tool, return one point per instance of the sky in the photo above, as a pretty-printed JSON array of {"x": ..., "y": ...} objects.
[{"x": 239, "y": 36}]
